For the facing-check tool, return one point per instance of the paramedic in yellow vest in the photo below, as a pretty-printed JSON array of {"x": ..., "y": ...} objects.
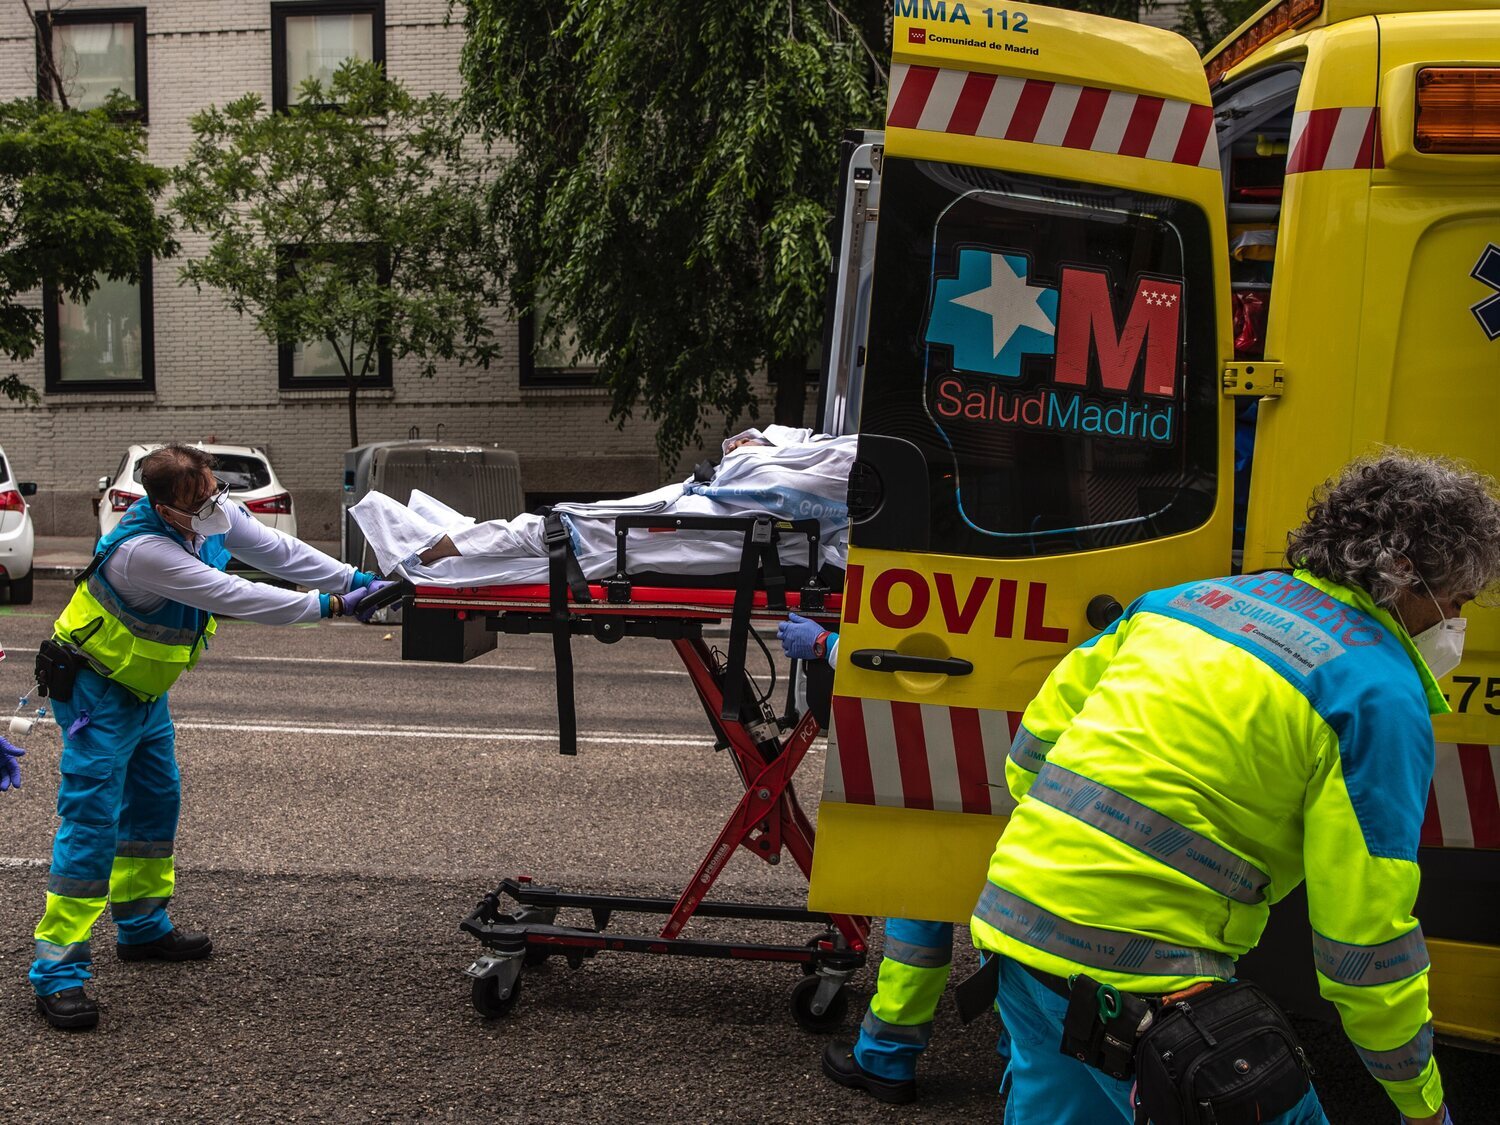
[
  {"x": 1218, "y": 744},
  {"x": 140, "y": 616},
  {"x": 914, "y": 968}
]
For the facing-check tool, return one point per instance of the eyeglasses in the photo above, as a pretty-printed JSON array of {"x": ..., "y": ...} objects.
[{"x": 206, "y": 506}]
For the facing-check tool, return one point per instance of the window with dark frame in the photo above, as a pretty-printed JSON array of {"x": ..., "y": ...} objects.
[
  {"x": 314, "y": 364},
  {"x": 312, "y": 39},
  {"x": 106, "y": 343},
  {"x": 96, "y": 51},
  {"x": 545, "y": 363}
]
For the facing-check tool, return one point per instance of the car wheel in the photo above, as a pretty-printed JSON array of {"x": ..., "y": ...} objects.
[{"x": 20, "y": 589}]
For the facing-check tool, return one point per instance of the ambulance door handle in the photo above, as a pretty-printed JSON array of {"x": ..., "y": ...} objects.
[{"x": 889, "y": 660}]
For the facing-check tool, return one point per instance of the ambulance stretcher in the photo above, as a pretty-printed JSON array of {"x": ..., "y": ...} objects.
[{"x": 517, "y": 922}]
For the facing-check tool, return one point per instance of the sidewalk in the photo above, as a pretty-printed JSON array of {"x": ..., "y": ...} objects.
[{"x": 65, "y": 556}]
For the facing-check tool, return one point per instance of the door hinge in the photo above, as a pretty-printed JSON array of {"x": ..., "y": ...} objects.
[{"x": 1259, "y": 379}]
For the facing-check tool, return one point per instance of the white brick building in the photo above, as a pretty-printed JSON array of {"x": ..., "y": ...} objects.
[{"x": 211, "y": 374}]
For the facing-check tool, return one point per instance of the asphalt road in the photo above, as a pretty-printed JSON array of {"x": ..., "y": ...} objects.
[{"x": 343, "y": 811}]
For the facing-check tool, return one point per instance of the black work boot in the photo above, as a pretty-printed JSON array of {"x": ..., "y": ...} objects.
[
  {"x": 174, "y": 945},
  {"x": 840, "y": 1064},
  {"x": 72, "y": 1009}
]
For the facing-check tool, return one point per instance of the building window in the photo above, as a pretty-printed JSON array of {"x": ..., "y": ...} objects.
[
  {"x": 319, "y": 364},
  {"x": 96, "y": 52},
  {"x": 102, "y": 344},
  {"x": 548, "y": 362},
  {"x": 311, "y": 41}
]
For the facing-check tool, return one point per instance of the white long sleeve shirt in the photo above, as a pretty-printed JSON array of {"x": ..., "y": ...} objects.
[{"x": 150, "y": 570}]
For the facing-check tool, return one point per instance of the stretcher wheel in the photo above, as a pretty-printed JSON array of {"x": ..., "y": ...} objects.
[
  {"x": 485, "y": 996},
  {"x": 802, "y": 997}
]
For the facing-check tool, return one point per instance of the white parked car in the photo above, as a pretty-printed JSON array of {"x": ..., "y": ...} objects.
[
  {"x": 17, "y": 538},
  {"x": 247, "y": 472}
]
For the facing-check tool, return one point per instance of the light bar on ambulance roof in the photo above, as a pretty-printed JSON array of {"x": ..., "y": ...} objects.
[
  {"x": 1285, "y": 16},
  {"x": 1458, "y": 109}
]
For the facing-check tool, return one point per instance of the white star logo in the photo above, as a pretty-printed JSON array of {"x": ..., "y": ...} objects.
[{"x": 1009, "y": 302}]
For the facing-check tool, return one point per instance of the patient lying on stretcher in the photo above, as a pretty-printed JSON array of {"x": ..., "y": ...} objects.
[{"x": 779, "y": 471}]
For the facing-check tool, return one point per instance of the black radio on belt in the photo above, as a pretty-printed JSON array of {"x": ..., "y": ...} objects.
[{"x": 57, "y": 667}]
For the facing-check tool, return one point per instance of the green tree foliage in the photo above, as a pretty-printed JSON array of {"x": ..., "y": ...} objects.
[
  {"x": 77, "y": 201},
  {"x": 357, "y": 218},
  {"x": 1208, "y": 22},
  {"x": 672, "y": 181}
]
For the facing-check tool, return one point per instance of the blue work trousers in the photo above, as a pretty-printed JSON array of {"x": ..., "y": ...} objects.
[
  {"x": 913, "y": 974},
  {"x": 118, "y": 799},
  {"x": 1045, "y": 1085}
]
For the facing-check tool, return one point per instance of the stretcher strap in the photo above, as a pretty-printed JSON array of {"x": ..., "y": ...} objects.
[
  {"x": 563, "y": 574},
  {"x": 758, "y": 558}
]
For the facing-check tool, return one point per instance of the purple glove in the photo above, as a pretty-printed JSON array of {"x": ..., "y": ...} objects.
[
  {"x": 354, "y": 598},
  {"x": 799, "y": 638},
  {"x": 10, "y": 767}
]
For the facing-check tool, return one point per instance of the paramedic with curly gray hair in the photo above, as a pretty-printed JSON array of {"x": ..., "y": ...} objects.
[{"x": 1219, "y": 743}]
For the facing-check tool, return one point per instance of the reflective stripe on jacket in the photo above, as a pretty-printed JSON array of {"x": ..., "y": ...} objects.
[
  {"x": 144, "y": 652},
  {"x": 1187, "y": 767}
]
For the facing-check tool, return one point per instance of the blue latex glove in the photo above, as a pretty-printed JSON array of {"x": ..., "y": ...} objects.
[
  {"x": 10, "y": 766},
  {"x": 362, "y": 579},
  {"x": 799, "y": 638}
]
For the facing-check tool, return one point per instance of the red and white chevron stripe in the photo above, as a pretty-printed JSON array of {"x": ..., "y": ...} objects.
[
  {"x": 1463, "y": 809},
  {"x": 952, "y": 759},
  {"x": 1324, "y": 140},
  {"x": 1051, "y": 113},
  {"x": 919, "y": 756}
]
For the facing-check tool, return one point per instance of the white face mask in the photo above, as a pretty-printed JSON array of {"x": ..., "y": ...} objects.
[
  {"x": 215, "y": 523},
  {"x": 1441, "y": 646}
]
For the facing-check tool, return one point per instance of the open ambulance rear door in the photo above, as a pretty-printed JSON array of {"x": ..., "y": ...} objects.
[{"x": 1043, "y": 435}]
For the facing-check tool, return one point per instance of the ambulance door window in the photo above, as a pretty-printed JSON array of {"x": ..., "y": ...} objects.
[
  {"x": 1050, "y": 348},
  {"x": 1253, "y": 117}
]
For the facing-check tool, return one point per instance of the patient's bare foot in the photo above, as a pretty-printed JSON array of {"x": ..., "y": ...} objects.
[{"x": 442, "y": 549}]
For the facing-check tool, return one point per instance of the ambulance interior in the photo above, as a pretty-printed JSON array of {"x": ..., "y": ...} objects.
[{"x": 1253, "y": 116}]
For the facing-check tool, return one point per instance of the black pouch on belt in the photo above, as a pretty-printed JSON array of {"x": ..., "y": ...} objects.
[
  {"x": 1102, "y": 1024},
  {"x": 56, "y": 668},
  {"x": 1227, "y": 1056}
]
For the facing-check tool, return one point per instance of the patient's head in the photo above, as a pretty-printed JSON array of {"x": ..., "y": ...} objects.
[{"x": 730, "y": 447}]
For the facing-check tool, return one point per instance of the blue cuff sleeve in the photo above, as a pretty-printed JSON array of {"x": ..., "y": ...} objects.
[
  {"x": 832, "y": 653},
  {"x": 325, "y": 604},
  {"x": 360, "y": 580}
]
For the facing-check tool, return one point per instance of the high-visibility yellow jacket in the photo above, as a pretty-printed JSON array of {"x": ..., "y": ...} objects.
[
  {"x": 144, "y": 652},
  {"x": 1191, "y": 764}
]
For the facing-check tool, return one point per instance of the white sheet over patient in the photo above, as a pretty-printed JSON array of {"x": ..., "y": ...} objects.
[{"x": 799, "y": 475}]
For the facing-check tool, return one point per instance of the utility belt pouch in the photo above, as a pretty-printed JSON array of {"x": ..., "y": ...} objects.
[
  {"x": 57, "y": 667},
  {"x": 1227, "y": 1056},
  {"x": 1102, "y": 1025}
]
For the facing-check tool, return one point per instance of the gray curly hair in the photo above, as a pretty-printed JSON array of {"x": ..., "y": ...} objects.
[{"x": 1391, "y": 521}]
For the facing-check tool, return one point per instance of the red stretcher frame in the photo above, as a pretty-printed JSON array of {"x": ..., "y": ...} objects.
[{"x": 767, "y": 820}]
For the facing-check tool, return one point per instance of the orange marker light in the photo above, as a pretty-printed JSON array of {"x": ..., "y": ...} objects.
[
  {"x": 1458, "y": 110},
  {"x": 1286, "y": 16}
]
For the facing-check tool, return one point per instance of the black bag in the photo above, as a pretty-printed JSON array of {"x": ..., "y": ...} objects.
[
  {"x": 1224, "y": 1056},
  {"x": 57, "y": 667}
]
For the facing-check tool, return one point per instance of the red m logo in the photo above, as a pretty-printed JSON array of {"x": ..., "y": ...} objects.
[{"x": 1086, "y": 323}]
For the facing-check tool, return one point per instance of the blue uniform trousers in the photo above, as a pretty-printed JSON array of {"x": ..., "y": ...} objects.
[
  {"x": 118, "y": 799},
  {"x": 913, "y": 974},
  {"x": 1046, "y": 1085}
]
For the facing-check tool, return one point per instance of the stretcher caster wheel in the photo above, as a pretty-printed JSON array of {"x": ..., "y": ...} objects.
[
  {"x": 485, "y": 995},
  {"x": 804, "y": 994}
]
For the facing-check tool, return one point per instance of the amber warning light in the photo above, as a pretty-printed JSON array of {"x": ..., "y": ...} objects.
[
  {"x": 1286, "y": 16},
  {"x": 1458, "y": 109}
]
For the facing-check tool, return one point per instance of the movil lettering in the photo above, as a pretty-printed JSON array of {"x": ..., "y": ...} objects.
[{"x": 901, "y": 598}]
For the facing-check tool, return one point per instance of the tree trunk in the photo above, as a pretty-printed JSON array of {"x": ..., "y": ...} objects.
[
  {"x": 790, "y": 377},
  {"x": 353, "y": 413}
]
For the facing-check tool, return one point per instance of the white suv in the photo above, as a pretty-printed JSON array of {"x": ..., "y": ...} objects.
[
  {"x": 247, "y": 472},
  {"x": 17, "y": 538}
]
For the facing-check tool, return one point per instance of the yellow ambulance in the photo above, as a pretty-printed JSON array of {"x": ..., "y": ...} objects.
[{"x": 1077, "y": 267}]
